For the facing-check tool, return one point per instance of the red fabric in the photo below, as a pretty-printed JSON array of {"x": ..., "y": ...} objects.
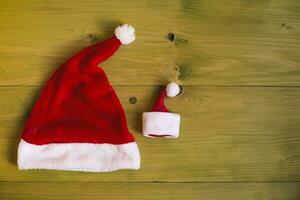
[
  {"x": 78, "y": 104},
  {"x": 159, "y": 105}
]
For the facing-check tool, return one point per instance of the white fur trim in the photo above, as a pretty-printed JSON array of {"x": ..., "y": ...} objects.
[
  {"x": 125, "y": 33},
  {"x": 86, "y": 157},
  {"x": 161, "y": 124},
  {"x": 172, "y": 89}
]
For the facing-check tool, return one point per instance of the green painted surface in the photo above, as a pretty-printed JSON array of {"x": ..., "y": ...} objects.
[{"x": 238, "y": 62}]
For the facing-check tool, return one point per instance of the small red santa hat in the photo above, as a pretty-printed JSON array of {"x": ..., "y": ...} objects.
[
  {"x": 78, "y": 122},
  {"x": 160, "y": 122}
]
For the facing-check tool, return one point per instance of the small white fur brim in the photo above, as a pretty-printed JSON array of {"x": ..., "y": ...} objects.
[
  {"x": 86, "y": 157},
  {"x": 161, "y": 124}
]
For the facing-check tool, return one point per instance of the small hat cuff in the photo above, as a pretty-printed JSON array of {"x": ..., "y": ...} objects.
[{"x": 161, "y": 124}]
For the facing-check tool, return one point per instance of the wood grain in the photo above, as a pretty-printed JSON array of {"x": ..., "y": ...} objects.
[
  {"x": 228, "y": 134},
  {"x": 147, "y": 191},
  {"x": 238, "y": 62},
  {"x": 230, "y": 42}
]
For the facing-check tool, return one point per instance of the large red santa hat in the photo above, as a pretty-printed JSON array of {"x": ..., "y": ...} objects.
[
  {"x": 78, "y": 122},
  {"x": 160, "y": 122}
]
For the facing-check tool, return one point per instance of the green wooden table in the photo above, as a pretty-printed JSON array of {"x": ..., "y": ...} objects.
[{"x": 238, "y": 62}]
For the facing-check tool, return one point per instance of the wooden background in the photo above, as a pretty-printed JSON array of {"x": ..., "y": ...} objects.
[{"x": 238, "y": 62}]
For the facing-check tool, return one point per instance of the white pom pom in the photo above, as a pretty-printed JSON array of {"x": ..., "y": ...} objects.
[
  {"x": 125, "y": 33},
  {"x": 172, "y": 89}
]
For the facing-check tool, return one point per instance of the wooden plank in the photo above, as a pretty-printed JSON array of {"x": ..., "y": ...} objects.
[
  {"x": 245, "y": 191},
  {"x": 48, "y": 190},
  {"x": 226, "y": 42},
  {"x": 227, "y": 133}
]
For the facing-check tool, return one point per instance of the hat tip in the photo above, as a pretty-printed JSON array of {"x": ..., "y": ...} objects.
[
  {"x": 125, "y": 33},
  {"x": 172, "y": 89}
]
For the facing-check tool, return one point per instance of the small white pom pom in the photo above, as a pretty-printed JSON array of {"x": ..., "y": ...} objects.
[
  {"x": 125, "y": 33},
  {"x": 172, "y": 89}
]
